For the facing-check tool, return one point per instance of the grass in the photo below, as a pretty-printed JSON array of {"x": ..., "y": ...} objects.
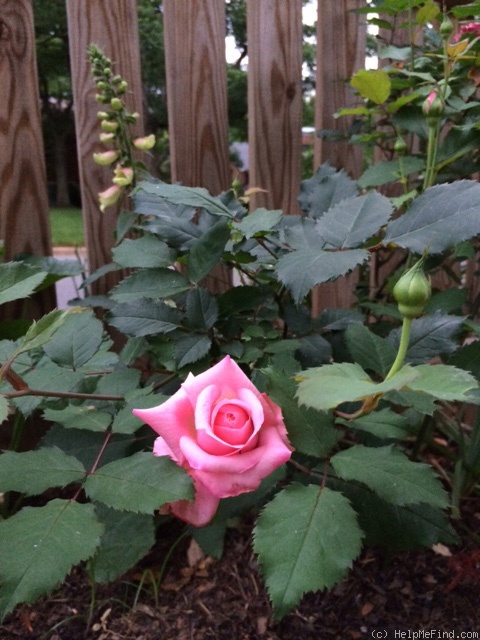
[{"x": 67, "y": 227}]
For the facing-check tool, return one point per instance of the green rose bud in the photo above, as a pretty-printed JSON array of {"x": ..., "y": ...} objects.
[
  {"x": 446, "y": 28},
  {"x": 413, "y": 291},
  {"x": 400, "y": 146},
  {"x": 433, "y": 108}
]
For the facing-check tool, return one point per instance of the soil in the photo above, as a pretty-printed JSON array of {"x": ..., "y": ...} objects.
[{"x": 202, "y": 598}]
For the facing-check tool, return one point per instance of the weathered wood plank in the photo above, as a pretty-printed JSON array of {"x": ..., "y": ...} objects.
[
  {"x": 24, "y": 221},
  {"x": 341, "y": 40},
  {"x": 197, "y": 100},
  {"x": 275, "y": 101},
  {"x": 197, "y": 93},
  {"x": 114, "y": 29},
  {"x": 341, "y": 36}
]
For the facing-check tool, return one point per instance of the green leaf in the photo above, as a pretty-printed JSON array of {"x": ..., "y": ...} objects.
[
  {"x": 125, "y": 421},
  {"x": 443, "y": 382},
  {"x": 324, "y": 189},
  {"x": 384, "y": 424},
  {"x": 372, "y": 84},
  {"x": 3, "y": 409},
  {"x": 40, "y": 332},
  {"x": 391, "y": 475},
  {"x": 207, "y": 251},
  {"x": 118, "y": 383},
  {"x": 326, "y": 387},
  {"x": 150, "y": 283},
  {"x": 430, "y": 336},
  {"x": 438, "y": 219},
  {"x": 79, "y": 417},
  {"x": 141, "y": 483},
  {"x": 259, "y": 221},
  {"x": 47, "y": 376},
  {"x": 191, "y": 348},
  {"x": 18, "y": 280},
  {"x": 387, "y": 171},
  {"x": 306, "y": 539},
  {"x": 47, "y": 541},
  {"x": 427, "y": 13},
  {"x": 143, "y": 253},
  {"x": 144, "y": 318},
  {"x": 369, "y": 350},
  {"x": 127, "y": 538},
  {"x": 301, "y": 270},
  {"x": 77, "y": 341},
  {"x": 309, "y": 431},
  {"x": 397, "y": 528},
  {"x": 354, "y": 220},
  {"x": 196, "y": 197},
  {"x": 202, "y": 309},
  {"x": 33, "y": 472}
]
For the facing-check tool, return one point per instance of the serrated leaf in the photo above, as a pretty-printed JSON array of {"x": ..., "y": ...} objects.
[
  {"x": 33, "y": 472},
  {"x": 370, "y": 351},
  {"x": 387, "y": 171},
  {"x": 354, "y": 220},
  {"x": 76, "y": 341},
  {"x": 127, "y": 538},
  {"x": 202, "y": 309},
  {"x": 384, "y": 424},
  {"x": 79, "y": 417},
  {"x": 144, "y": 252},
  {"x": 430, "y": 336},
  {"x": 372, "y": 84},
  {"x": 196, "y": 197},
  {"x": 3, "y": 408},
  {"x": 206, "y": 252},
  {"x": 324, "y": 189},
  {"x": 141, "y": 483},
  {"x": 125, "y": 421},
  {"x": 398, "y": 528},
  {"x": 150, "y": 283},
  {"x": 326, "y": 387},
  {"x": 259, "y": 221},
  {"x": 309, "y": 431},
  {"x": 306, "y": 539},
  {"x": 191, "y": 348},
  {"x": 301, "y": 270},
  {"x": 47, "y": 376},
  {"x": 41, "y": 331},
  {"x": 18, "y": 280},
  {"x": 144, "y": 318},
  {"x": 438, "y": 219},
  {"x": 48, "y": 541},
  {"x": 443, "y": 382},
  {"x": 391, "y": 475},
  {"x": 118, "y": 383}
]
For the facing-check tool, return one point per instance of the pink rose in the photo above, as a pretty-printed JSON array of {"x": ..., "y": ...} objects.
[{"x": 225, "y": 433}]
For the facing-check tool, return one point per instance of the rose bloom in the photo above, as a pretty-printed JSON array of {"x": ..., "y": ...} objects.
[{"x": 225, "y": 433}]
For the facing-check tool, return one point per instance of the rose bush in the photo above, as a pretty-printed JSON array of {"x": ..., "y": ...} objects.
[{"x": 225, "y": 433}]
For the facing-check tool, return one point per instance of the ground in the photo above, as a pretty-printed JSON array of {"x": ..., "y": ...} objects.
[{"x": 201, "y": 598}]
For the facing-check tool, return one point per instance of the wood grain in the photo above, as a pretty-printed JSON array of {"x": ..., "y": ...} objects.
[
  {"x": 113, "y": 27},
  {"x": 24, "y": 220},
  {"x": 341, "y": 40},
  {"x": 275, "y": 101},
  {"x": 197, "y": 93}
]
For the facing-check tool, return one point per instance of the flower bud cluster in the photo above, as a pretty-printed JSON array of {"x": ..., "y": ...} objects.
[{"x": 114, "y": 121}]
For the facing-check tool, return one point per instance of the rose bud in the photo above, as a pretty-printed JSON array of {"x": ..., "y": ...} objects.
[
  {"x": 109, "y": 126},
  {"x": 412, "y": 291},
  {"x": 107, "y": 138}
]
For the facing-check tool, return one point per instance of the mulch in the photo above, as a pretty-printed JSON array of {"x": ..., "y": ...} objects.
[{"x": 201, "y": 598}]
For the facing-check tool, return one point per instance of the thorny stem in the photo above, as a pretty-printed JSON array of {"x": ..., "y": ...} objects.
[{"x": 62, "y": 394}]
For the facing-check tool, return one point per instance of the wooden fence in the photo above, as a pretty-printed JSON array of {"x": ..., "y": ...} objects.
[{"x": 197, "y": 103}]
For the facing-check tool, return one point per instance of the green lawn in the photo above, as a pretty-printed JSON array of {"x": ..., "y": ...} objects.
[{"x": 67, "y": 227}]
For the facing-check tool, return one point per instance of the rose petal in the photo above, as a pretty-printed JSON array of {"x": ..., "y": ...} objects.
[
  {"x": 226, "y": 375},
  {"x": 172, "y": 420},
  {"x": 227, "y": 476},
  {"x": 161, "y": 448},
  {"x": 199, "y": 512}
]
